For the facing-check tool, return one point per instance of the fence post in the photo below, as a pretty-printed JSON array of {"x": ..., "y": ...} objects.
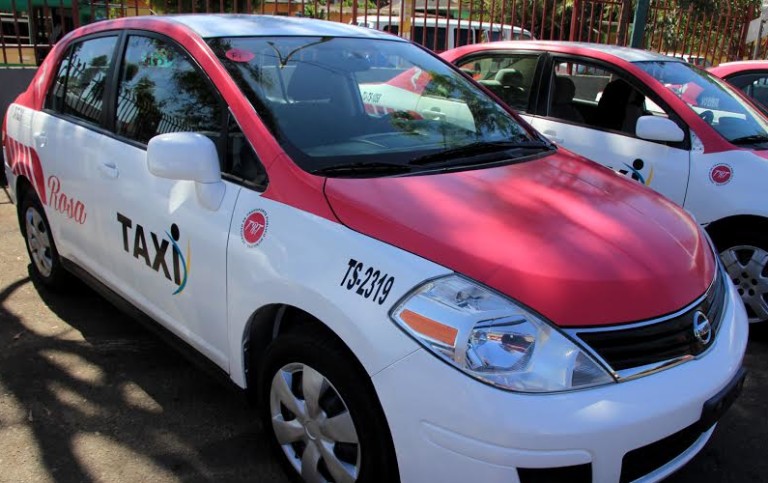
[
  {"x": 638, "y": 26},
  {"x": 575, "y": 21}
]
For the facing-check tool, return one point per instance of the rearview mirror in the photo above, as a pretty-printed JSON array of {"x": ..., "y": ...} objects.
[
  {"x": 191, "y": 157},
  {"x": 655, "y": 128}
]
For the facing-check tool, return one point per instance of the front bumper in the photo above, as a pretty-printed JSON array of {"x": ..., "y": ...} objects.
[{"x": 448, "y": 427}]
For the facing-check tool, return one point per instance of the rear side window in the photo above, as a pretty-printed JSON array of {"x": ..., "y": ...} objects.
[
  {"x": 160, "y": 91},
  {"x": 78, "y": 87},
  {"x": 508, "y": 76}
]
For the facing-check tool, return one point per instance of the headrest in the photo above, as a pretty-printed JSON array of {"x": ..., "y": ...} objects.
[
  {"x": 509, "y": 78},
  {"x": 565, "y": 89}
]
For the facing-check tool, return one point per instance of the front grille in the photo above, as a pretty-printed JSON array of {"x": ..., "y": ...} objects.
[
  {"x": 641, "y": 461},
  {"x": 668, "y": 339}
]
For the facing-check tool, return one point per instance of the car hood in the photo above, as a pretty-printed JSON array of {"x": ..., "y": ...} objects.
[{"x": 569, "y": 239}]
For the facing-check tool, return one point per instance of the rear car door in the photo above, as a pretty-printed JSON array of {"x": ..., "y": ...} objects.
[
  {"x": 592, "y": 109},
  {"x": 169, "y": 250},
  {"x": 66, "y": 136}
]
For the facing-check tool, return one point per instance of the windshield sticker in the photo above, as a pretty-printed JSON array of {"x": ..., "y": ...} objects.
[
  {"x": 239, "y": 55},
  {"x": 66, "y": 205},
  {"x": 137, "y": 246},
  {"x": 254, "y": 228},
  {"x": 721, "y": 174},
  {"x": 367, "y": 282}
]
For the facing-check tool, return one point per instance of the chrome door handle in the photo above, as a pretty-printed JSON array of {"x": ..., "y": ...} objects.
[
  {"x": 40, "y": 139},
  {"x": 109, "y": 169}
]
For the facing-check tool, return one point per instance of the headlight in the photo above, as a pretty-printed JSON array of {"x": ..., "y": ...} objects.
[{"x": 492, "y": 339}]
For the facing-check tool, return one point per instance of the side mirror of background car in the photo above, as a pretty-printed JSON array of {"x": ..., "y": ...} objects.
[
  {"x": 188, "y": 156},
  {"x": 655, "y": 128}
]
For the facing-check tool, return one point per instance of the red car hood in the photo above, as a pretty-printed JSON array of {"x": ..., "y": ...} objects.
[{"x": 565, "y": 237}]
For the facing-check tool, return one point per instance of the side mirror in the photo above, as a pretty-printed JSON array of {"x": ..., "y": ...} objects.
[
  {"x": 655, "y": 128},
  {"x": 191, "y": 157}
]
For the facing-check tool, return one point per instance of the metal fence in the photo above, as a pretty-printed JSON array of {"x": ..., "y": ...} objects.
[{"x": 702, "y": 32}]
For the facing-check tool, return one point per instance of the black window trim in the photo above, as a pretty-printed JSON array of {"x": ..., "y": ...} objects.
[
  {"x": 97, "y": 127},
  {"x": 543, "y": 102}
]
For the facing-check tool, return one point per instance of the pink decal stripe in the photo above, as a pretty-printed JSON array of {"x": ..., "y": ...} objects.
[{"x": 24, "y": 161}]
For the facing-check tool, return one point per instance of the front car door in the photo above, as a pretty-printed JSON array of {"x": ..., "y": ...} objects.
[
  {"x": 167, "y": 249},
  {"x": 592, "y": 109}
]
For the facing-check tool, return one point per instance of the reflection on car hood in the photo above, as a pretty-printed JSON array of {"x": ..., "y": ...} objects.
[{"x": 574, "y": 241}]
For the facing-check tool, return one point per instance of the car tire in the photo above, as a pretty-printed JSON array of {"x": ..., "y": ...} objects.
[
  {"x": 319, "y": 408},
  {"x": 45, "y": 264},
  {"x": 745, "y": 258}
]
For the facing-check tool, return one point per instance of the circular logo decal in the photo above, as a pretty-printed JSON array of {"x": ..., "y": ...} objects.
[
  {"x": 239, "y": 55},
  {"x": 254, "y": 227},
  {"x": 721, "y": 174},
  {"x": 702, "y": 329}
]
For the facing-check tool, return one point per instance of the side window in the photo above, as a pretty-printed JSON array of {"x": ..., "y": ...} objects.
[
  {"x": 160, "y": 91},
  {"x": 753, "y": 85},
  {"x": 591, "y": 95},
  {"x": 509, "y": 76},
  {"x": 78, "y": 88}
]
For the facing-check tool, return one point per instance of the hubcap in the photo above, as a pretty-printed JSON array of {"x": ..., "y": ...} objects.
[
  {"x": 747, "y": 267},
  {"x": 313, "y": 425},
  {"x": 39, "y": 241}
]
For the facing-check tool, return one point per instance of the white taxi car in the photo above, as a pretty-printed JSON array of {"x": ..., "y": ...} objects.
[
  {"x": 656, "y": 119},
  {"x": 443, "y": 297}
]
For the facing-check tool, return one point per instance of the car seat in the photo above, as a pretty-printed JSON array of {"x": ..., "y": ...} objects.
[
  {"x": 619, "y": 107},
  {"x": 562, "y": 101},
  {"x": 511, "y": 87}
]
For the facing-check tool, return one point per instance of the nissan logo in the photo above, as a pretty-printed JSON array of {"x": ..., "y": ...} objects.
[{"x": 702, "y": 329}]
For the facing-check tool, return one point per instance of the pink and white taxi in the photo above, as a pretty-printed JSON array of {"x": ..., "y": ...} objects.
[
  {"x": 656, "y": 119},
  {"x": 410, "y": 297}
]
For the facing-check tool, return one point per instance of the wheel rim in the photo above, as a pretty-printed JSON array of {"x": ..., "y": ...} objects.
[
  {"x": 747, "y": 267},
  {"x": 313, "y": 425},
  {"x": 39, "y": 242}
]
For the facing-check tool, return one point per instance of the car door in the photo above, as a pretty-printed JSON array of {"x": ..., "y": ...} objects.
[
  {"x": 592, "y": 109},
  {"x": 168, "y": 250},
  {"x": 66, "y": 136}
]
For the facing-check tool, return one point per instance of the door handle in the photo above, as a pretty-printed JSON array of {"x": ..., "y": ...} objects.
[
  {"x": 40, "y": 139},
  {"x": 109, "y": 169},
  {"x": 552, "y": 136}
]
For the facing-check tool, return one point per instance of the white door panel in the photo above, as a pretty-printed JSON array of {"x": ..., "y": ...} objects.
[
  {"x": 167, "y": 253},
  {"x": 73, "y": 197},
  {"x": 658, "y": 166}
]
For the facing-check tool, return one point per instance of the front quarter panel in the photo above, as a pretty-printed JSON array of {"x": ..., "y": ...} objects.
[
  {"x": 727, "y": 183},
  {"x": 301, "y": 259}
]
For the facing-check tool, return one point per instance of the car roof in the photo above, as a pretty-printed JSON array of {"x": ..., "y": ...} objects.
[
  {"x": 729, "y": 68},
  {"x": 235, "y": 25},
  {"x": 625, "y": 53}
]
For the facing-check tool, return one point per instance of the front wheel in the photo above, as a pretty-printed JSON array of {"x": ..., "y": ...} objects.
[
  {"x": 321, "y": 412},
  {"x": 746, "y": 262}
]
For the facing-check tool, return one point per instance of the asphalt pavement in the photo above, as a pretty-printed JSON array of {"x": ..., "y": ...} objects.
[{"x": 88, "y": 395}]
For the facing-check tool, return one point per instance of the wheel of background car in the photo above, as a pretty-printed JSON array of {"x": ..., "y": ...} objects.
[
  {"x": 46, "y": 265},
  {"x": 745, "y": 257},
  {"x": 321, "y": 412},
  {"x": 708, "y": 116}
]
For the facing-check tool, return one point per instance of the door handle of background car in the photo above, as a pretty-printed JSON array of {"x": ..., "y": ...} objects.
[
  {"x": 552, "y": 136},
  {"x": 109, "y": 169},
  {"x": 40, "y": 139}
]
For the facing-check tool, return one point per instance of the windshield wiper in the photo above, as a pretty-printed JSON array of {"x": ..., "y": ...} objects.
[
  {"x": 362, "y": 169},
  {"x": 481, "y": 148},
  {"x": 751, "y": 139}
]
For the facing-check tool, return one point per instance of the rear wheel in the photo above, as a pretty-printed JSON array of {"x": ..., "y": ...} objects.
[
  {"x": 745, "y": 258},
  {"x": 46, "y": 264},
  {"x": 323, "y": 416}
]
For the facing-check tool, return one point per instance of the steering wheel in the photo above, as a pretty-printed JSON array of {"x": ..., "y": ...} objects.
[{"x": 708, "y": 116}]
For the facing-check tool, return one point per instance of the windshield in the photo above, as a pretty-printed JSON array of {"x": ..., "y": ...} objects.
[
  {"x": 339, "y": 105},
  {"x": 713, "y": 100}
]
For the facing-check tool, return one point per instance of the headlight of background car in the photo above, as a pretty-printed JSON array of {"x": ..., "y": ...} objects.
[{"x": 493, "y": 339}]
